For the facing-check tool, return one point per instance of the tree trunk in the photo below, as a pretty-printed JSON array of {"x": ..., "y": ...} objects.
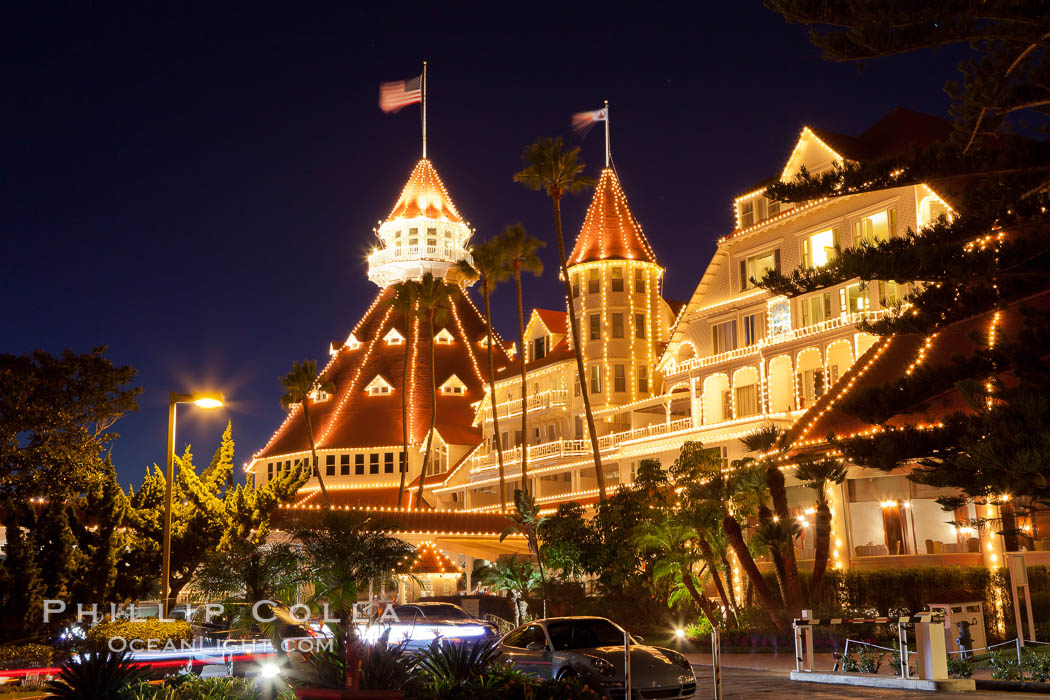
[
  {"x": 730, "y": 587},
  {"x": 792, "y": 584},
  {"x": 577, "y": 350},
  {"x": 404, "y": 411},
  {"x": 433, "y": 413},
  {"x": 747, "y": 563},
  {"x": 313, "y": 453},
  {"x": 705, "y": 549},
  {"x": 524, "y": 392},
  {"x": 776, "y": 553},
  {"x": 492, "y": 395},
  {"x": 701, "y": 601},
  {"x": 821, "y": 546}
]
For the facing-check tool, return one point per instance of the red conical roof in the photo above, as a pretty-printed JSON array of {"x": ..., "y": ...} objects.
[
  {"x": 352, "y": 418},
  {"x": 425, "y": 195},
  {"x": 610, "y": 231}
]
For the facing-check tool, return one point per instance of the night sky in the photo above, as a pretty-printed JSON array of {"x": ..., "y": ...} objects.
[{"x": 195, "y": 185}]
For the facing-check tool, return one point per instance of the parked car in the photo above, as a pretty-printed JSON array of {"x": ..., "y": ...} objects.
[
  {"x": 591, "y": 649},
  {"x": 420, "y": 623}
]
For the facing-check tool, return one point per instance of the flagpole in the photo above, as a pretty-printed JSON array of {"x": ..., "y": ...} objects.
[
  {"x": 607, "y": 133},
  {"x": 424, "y": 109}
]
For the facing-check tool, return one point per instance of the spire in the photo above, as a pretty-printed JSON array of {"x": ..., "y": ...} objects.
[
  {"x": 610, "y": 231},
  {"x": 425, "y": 195}
]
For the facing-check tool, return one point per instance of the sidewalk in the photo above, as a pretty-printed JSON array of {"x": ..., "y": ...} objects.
[{"x": 783, "y": 661}]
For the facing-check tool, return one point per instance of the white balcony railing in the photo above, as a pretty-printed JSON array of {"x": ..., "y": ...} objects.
[
  {"x": 675, "y": 369},
  {"x": 441, "y": 253},
  {"x": 555, "y": 398},
  {"x": 573, "y": 448}
]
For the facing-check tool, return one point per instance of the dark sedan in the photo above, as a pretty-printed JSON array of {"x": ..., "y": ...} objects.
[{"x": 592, "y": 650}]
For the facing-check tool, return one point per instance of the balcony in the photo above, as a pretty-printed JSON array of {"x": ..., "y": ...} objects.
[
  {"x": 575, "y": 448},
  {"x": 557, "y": 398},
  {"x": 438, "y": 253},
  {"x": 839, "y": 322}
]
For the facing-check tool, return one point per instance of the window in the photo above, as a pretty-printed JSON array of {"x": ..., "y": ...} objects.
[
  {"x": 575, "y": 284},
  {"x": 373, "y": 463},
  {"x": 820, "y": 248},
  {"x": 393, "y": 337},
  {"x": 596, "y": 379},
  {"x": 639, "y": 325},
  {"x": 779, "y": 317},
  {"x": 443, "y": 337},
  {"x": 643, "y": 379},
  {"x": 269, "y": 470},
  {"x": 816, "y": 309},
  {"x": 723, "y": 337},
  {"x": 388, "y": 463},
  {"x": 747, "y": 401},
  {"x": 593, "y": 281},
  {"x": 617, "y": 325},
  {"x": 359, "y": 464},
  {"x": 401, "y": 460},
  {"x": 747, "y": 213},
  {"x": 576, "y": 387},
  {"x": 890, "y": 294},
  {"x": 875, "y": 228},
  {"x": 727, "y": 405},
  {"x": 639, "y": 281},
  {"x": 772, "y": 208},
  {"x": 619, "y": 378},
  {"x": 617, "y": 279},
  {"x": 810, "y": 386},
  {"x": 453, "y": 386},
  {"x": 539, "y": 348},
  {"x": 378, "y": 387},
  {"x": 755, "y": 266},
  {"x": 754, "y": 328},
  {"x": 596, "y": 327},
  {"x": 853, "y": 299},
  {"x": 344, "y": 465},
  {"x": 329, "y": 465}
]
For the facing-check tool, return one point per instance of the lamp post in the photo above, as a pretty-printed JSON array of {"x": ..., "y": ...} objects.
[{"x": 201, "y": 399}]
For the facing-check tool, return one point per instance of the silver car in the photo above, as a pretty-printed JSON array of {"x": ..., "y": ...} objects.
[{"x": 592, "y": 650}]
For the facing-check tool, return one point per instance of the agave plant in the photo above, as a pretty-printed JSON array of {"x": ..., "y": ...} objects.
[
  {"x": 446, "y": 663},
  {"x": 385, "y": 666},
  {"x": 100, "y": 674}
]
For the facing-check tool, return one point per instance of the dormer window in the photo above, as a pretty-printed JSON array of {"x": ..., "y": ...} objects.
[
  {"x": 453, "y": 386},
  {"x": 352, "y": 343},
  {"x": 443, "y": 337},
  {"x": 318, "y": 395},
  {"x": 747, "y": 213},
  {"x": 484, "y": 342},
  {"x": 539, "y": 347},
  {"x": 379, "y": 387},
  {"x": 393, "y": 337}
]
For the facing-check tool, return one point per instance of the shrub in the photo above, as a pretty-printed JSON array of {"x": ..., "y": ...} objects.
[
  {"x": 26, "y": 656},
  {"x": 868, "y": 660},
  {"x": 196, "y": 688},
  {"x": 959, "y": 667},
  {"x": 1005, "y": 667},
  {"x": 152, "y": 632}
]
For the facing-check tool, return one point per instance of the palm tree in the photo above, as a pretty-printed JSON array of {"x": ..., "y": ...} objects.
[
  {"x": 671, "y": 543},
  {"x": 520, "y": 251},
  {"x": 511, "y": 575},
  {"x": 403, "y": 304},
  {"x": 818, "y": 474},
  {"x": 487, "y": 265},
  {"x": 299, "y": 385},
  {"x": 527, "y": 521},
  {"x": 432, "y": 306},
  {"x": 705, "y": 522},
  {"x": 557, "y": 171},
  {"x": 765, "y": 441}
]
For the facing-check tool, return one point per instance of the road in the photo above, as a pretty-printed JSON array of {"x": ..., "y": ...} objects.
[{"x": 747, "y": 683}]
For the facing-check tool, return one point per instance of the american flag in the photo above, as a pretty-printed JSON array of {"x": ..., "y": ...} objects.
[
  {"x": 400, "y": 93},
  {"x": 581, "y": 121}
]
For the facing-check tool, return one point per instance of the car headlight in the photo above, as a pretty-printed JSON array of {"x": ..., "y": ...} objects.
[
  {"x": 602, "y": 666},
  {"x": 677, "y": 659}
]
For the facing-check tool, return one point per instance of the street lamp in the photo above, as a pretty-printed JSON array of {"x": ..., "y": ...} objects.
[{"x": 201, "y": 399}]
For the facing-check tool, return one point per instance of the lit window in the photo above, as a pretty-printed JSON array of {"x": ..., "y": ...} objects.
[
  {"x": 443, "y": 337},
  {"x": 723, "y": 337},
  {"x": 853, "y": 299},
  {"x": 453, "y": 386},
  {"x": 596, "y": 327},
  {"x": 593, "y": 281},
  {"x": 779, "y": 317},
  {"x": 596, "y": 379},
  {"x": 639, "y": 281},
  {"x": 754, "y": 328},
  {"x": 876, "y": 228},
  {"x": 747, "y": 401},
  {"x": 619, "y": 378},
  {"x": 575, "y": 285},
  {"x": 747, "y": 213},
  {"x": 772, "y": 208},
  {"x": 394, "y": 338},
  {"x": 890, "y": 294},
  {"x": 617, "y": 279},
  {"x": 816, "y": 309},
  {"x": 820, "y": 248},
  {"x": 755, "y": 266},
  {"x": 617, "y": 325}
]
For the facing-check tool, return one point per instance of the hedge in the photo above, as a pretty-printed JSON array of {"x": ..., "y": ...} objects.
[
  {"x": 160, "y": 633},
  {"x": 25, "y": 656}
]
